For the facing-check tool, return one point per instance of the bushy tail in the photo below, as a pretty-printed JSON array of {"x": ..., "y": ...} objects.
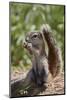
[{"x": 54, "y": 54}]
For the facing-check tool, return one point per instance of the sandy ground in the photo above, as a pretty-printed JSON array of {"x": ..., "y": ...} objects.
[{"x": 55, "y": 86}]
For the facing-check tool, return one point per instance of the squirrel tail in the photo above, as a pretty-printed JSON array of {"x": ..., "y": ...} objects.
[{"x": 54, "y": 53}]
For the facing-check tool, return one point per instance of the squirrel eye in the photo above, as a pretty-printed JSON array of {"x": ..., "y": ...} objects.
[{"x": 34, "y": 36}]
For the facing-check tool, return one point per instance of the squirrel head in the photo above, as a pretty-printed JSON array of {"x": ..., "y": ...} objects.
[{"x": 34, "y": 42}]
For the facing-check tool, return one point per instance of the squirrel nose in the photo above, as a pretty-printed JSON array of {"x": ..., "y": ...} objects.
[{"x": 25, "y": 44}]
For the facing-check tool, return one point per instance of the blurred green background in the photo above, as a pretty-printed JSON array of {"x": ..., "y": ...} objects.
[{"x": 30, "y": 17}]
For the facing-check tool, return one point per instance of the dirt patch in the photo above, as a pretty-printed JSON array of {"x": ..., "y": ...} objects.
[{"x": 55, "y": 86}]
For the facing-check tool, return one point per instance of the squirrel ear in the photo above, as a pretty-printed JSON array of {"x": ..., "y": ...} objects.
[{"x": 40, "y": 34}]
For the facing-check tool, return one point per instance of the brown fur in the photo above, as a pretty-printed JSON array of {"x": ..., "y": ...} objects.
[{"x": 54, "y": 54}]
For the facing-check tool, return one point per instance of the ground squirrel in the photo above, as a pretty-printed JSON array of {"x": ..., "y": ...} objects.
[{"x": 42, "y": 63}]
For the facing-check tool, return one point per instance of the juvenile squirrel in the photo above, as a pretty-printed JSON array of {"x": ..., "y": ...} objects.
[{"x": 42, "y": 63}]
